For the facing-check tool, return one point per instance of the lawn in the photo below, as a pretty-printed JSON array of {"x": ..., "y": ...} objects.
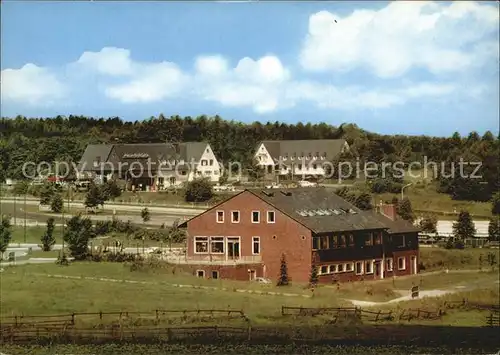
[
  {"x": 28, "y": 290},
  {"x": 470, "y": 258}
]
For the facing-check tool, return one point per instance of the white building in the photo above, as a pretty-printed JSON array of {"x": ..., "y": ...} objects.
[
  {"x": 154, "y": 166},
  {"x": 298, "y": 157}
]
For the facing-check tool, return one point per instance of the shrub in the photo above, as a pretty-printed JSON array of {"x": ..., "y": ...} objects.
[{"x": 199, "y": 190}]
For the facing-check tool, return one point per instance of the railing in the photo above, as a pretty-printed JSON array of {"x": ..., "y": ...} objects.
[
  {"x": 214, "y": 259},
  {"x": 493, "y": 320}
]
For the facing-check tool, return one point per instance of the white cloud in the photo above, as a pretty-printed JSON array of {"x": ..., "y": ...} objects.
[
  {"x": 109, "y": 61},
  {"x": 31, "y": 84},
  {"x": 389, "y": 42},
  {"x": 144, "y": 82}
]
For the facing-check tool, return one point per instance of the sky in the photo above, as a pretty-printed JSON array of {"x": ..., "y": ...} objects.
[{"x": 390, "y": 67}]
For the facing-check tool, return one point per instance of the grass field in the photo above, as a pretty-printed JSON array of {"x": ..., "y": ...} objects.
[
  {"x": 28, "y": 290},
  {"x": 470, "y": 258}
]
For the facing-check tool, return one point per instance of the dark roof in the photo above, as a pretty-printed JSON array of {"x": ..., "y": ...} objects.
[
  {"x": 332, "y": 147},
  {"x": 329, "y": 211},
  {"x": 398, "y": 225},
  {"x": 93, "y": 153},
  {"x": 130, "y": 153}
]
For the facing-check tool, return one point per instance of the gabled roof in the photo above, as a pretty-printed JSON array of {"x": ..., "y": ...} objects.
[
  {"x": 332, "y": 147},
  {"x": 92, "y": 153},
  {"x": 141, "y": 152},
  {"x": 320, "y": 209},
  {"x": 326, "y": 212}
]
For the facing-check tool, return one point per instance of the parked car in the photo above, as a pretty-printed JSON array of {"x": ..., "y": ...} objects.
[{"x": 305, "y": 183}]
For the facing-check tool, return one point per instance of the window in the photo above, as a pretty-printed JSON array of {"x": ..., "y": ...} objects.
[
  {"x": 235, "y": 216},
  {"x": 200, "y": 273},
  {"x": 299, "y": 167},
  {"x": 316, "y": 156},
  {"x": 270, "y": 217},
  {"x": 220, "y": 216},
  {"x": 256, "y": 245},
  {"x": 315, "y": 166},
  {"x": 203, "y": 162},
  {"x": 333, "y": 268},
  {"x": 359, "y": 268},
  {"x": 216, "y": 172},
  {"x": 315, "y": 243},
  {"x": 369, "y": 267},
  {"x": 378, "y": 238},
  {"x": 211, "y": 162},
  {"x": 323, "y": 242},
  {"x": 351, "y": 240},
  {"x": 402, "y": 263},
  {"x": 309, "y": 156},
  {"x": 285, "y": 157},
  {"x": 342, "y": 241},
  {"x": 208, "y": 150},
  {"x": 324, "y": 155},
  {"x": 215, "y": 274},
  {"x": 294, "y": 156},
  {"x": 324, "y": 270},
  {"x": 348, "y": 267},
  {"x": 368, "y": 239},
  {"x": 217, "y": 245},
  {"x": 390, "y": 264},
  {"x": 183, "y": 172},
  {"x": 255, "y": 216},
  {"x": 335, "y": 241},
  {"x": 201, "y": 245},
  {"x": 340, "y": 267},
  {"x": 208, "y": 172}
]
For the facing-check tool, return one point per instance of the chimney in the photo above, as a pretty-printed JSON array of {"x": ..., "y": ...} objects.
[{"x": 388, "y": 210}]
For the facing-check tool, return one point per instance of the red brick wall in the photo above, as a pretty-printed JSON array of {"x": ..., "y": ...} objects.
[{"x": 284, "y": 236}]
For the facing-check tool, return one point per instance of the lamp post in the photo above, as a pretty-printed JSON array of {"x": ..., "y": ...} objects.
[
  {"x": 402, "y": 190},
  {"x": 15, "y": 209},
  {"x": 25, "y": 218}
]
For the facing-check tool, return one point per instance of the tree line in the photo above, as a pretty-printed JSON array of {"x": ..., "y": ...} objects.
[{"x": 65, "y": 138}]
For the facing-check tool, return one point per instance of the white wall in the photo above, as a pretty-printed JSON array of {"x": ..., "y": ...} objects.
[
  {"x": 262, "y": 156},
  {"x": 208, "y": 171}
]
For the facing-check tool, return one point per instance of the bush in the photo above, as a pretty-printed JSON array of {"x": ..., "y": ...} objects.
[{"x": 199, "y": 190}]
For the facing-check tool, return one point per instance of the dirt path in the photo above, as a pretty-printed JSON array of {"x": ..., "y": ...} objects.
[{"x": 430, "y": 293}]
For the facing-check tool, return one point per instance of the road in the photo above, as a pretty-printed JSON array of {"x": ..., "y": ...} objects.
[
  {"x": 159, "y": 215},
  {"x": 169, "y": 214}
]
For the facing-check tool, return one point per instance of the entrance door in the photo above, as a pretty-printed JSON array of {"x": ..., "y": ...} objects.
[
  {"x": 378, "y": 270},
  {"x": 413, "y": 264},
  {"x": 233, "y": 248},
  {"x": 252, "y": 274}
]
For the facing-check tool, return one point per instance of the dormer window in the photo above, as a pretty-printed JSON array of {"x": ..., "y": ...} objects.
[
  {"x": 316, "y": 156},
  {"x": 285, "y": 157},
  {"x": 309, "y": 156}
]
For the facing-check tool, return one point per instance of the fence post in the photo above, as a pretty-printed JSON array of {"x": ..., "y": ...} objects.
[
  {"x": 72, "y": 319},
  {"x": 157, "y": 317},
  {"x": 282, "y": 310},
  {"x": 418, "y": 313},
  {"x": 378, "y": 314},
  {"x": 249, "y": 332}
]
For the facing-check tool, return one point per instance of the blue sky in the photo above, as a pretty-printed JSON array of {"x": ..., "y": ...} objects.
[{"x": 411, "y": 68}]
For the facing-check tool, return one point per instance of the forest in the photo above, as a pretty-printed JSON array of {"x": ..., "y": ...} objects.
[{"x": 65, "y": 138}]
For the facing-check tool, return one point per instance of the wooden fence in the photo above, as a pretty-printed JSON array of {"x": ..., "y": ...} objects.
[
  {"x": 363, "y": 314},
  {"x": 99, "y": 318},
  {"x": 465, "y": 304}
]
